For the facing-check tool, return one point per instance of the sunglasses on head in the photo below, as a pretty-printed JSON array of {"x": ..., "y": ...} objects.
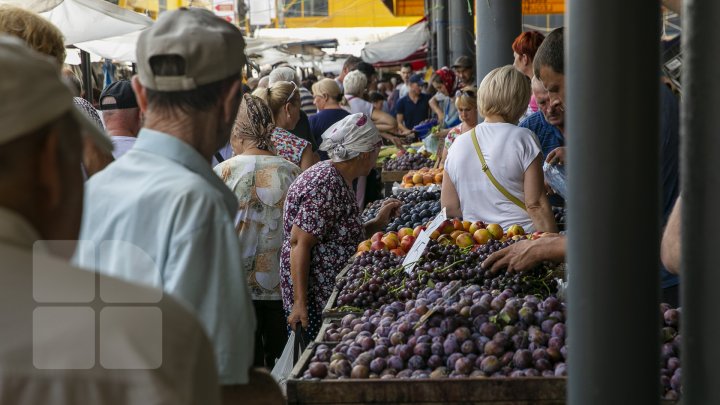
[
  {"x": 292, "y": 93},
  {"x": 468, "y": 93}
]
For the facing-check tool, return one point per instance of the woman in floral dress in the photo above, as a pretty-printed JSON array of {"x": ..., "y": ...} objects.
[
  {"x": 284, "y": 101},
  {"x": 322, "y": 220},
  {"x": 260, "y": 180},
  {"x": 466, "y": 103}
]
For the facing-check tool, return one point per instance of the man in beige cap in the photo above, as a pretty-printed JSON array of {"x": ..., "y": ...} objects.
[
  {"x": 164, "y": 197},
  {"x": 68, "y": 335}
]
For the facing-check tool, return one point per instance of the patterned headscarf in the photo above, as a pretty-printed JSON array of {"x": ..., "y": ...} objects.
[
  {"x": 254, "y": 121},
  {"x": 447, "y": 77},
  {"x": 349, "y": 137}
]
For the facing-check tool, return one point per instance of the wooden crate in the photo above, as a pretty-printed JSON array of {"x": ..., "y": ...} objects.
[
  {"x": 392, "y": 176},
  {"x": 501, "y": 391},
  {"x": 329, "y": 311}
]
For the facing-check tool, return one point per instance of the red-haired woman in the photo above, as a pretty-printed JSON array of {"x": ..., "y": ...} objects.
[{"x": 524, "y": 48}]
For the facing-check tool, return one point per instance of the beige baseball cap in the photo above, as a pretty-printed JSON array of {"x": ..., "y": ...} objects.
[
  {"x": 34, "y": 95},
  {"x": 212, "y": 48}
]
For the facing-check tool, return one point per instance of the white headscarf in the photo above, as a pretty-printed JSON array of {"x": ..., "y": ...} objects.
[{"x": 349, "y": 137}]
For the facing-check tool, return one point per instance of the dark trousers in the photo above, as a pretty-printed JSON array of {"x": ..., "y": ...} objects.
[{"x": 270, "y": 334}]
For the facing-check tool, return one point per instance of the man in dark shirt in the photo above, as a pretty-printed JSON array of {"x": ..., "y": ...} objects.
[{"x": 413, "y": 108}]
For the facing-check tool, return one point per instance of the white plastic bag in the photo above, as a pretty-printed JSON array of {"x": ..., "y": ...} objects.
[
  {"x": 284, "y": 365},
  {"x": 557, "y": 179}
]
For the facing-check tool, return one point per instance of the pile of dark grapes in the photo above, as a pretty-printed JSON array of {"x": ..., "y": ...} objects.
[
  {"x": 560, "y": 216},
  {"x": 448, "y": 331},
  {"x": 670, "y": 372},
  {"x": 376, "y": 278},
  {"x": 419, "y": 207},
  {"x": 408, "y": 161}
]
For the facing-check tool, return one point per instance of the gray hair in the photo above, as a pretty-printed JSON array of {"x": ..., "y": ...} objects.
[
  {"x": 284, "y": 74},
  {"x": 355, "y": 83}
]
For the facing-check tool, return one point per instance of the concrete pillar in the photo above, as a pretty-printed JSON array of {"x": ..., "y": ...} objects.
[
  {"x": 499, "y": 22},
  {"x": 700, "y": 184},
  {"x": 440, "y": 28},
  {"x": 460, "y": 29},
  {"x": 614, "y": 217}
]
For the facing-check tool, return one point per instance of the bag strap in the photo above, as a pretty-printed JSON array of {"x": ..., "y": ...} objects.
[{"x": 492, "y": 178}]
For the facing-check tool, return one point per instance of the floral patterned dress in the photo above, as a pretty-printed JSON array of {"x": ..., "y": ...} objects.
[
  {"x": 288, "y": 146},
  {"x": 321, "y": 204},
  {"x": 261, "y": 184},
  {"x": 452, "y": 135}
]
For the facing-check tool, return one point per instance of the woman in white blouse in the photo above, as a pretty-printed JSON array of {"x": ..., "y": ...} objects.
[{"x": 512, "y": 157}]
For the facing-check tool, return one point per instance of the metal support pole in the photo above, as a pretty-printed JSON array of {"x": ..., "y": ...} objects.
[
  {"x": 498, "y": 23},
  {"x": 700, "y": 182},
  {"x": 614, "y": 215},
  {"x": 87, "y": 79},
  {"x": 430, "y": 60},
  {"x": 440, "y": 26},
  {"x": 460, "y": 29}
]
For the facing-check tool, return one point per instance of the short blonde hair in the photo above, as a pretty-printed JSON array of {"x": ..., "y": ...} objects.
[
  {"x": 277, "y": 95},
  {"x": 467, "y": 98},
  {"x": 327, "y": 87},
  {"x": 39, "y": 33},
  {"x": 505, "y": 91}
]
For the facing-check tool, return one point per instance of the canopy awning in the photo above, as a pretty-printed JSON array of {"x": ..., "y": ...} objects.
[{"x": 399, "y": 46}]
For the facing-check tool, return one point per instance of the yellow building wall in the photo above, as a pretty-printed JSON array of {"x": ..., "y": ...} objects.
[
  {"x": 352, "y": 13},
  {"x": 152, "y": 6}
]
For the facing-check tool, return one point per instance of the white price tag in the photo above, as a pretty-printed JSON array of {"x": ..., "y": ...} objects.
[{"x": 422, "y": 241}]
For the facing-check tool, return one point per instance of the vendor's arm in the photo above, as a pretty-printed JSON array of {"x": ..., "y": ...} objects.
[
  {"x": 389, "y": 209},
  {"x": 671, "y": 241},
  {"x": 527, "y": 254},
  {"x": 435, "y": 107},
  {"x": 301, "y": 244},
  {"x": 449, "y": 198},
  {"x": 384, "y": 121},
  {"x": 558, "y": 156},
  {"x": 536, "y": 202}
]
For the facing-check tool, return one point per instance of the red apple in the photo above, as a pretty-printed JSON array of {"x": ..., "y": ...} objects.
[
  {"x": 378, "y": 245},
  {"x": 464, "y": 240},
  {"x": 377, "y": 236},
  {"x": 447, "y": 227},
  {"x": 407, "y": 242},
  {"x": 482, "y": 236},
  {"x": 495, "y": 230},
  {"x": 417, "y": 230},
  {"x": 458, "y": 224}
]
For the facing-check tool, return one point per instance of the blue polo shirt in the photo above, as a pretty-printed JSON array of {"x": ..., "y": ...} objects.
[
  {"x": 549, "y": 136},
  {"x": 413, "y": 113}
]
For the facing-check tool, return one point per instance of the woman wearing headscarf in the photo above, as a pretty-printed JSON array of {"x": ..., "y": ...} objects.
[
  {"x": 443, "y": 102},
  {"x": 260, "y": 179},
  {"x": 283, "y": 98},
  {"x": 322, "y": 220}
]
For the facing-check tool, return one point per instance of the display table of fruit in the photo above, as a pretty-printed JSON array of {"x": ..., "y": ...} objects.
[
  {"x": 400, "y": 163},
  {"x": 423, "y": 177},
  {"x": 444, "y": 330}
]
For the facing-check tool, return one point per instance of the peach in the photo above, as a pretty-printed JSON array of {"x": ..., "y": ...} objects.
[
  {"x": 475, "y": 226},
  {"x": 458, "y": 224},
  {"x": 408, "y": 178},
  {"x": 428, "y": 179},
  {"x": 407, "y": 242},
  {"x": 417, "y": 178},
  {"x": 445, "y": 240},
  {"x": 417, "y": 230},
  {"x": 515, "y": 230},
  {"x": 464, "y": 240},
  {"x": 398, "y": 252},
  {"x": 466, "y": 225},
  {"x": 364, "y": 246},
  {"x": 376, "y": 236},
  {"x": 404, "y": 232},
  {"x": 378, "y": 245},
  {"x": 390, "y": 242},
  {"x": 438, "y": 178},
  {"x": 455, "y": 234},
  {"x": 482, "y": 236},
  {"x": 495, "y": 230},
  {"x": 434, "y": 235}
]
